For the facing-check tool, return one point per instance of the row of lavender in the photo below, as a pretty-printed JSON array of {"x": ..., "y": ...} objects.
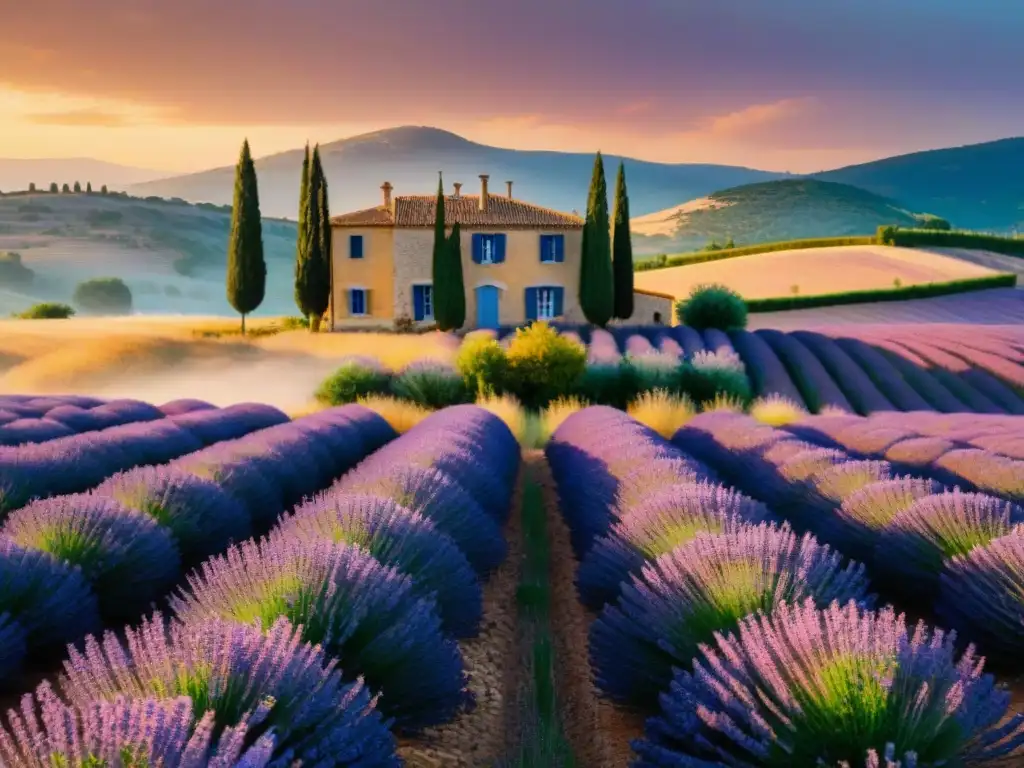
[
  {"x": 924, "y": 543},
  {"x": 976, "y": 452},
  {"x": 29, "y": 419},
  {"x": 310, "y": 644},
  {"x": 72, "y": 563},
  {"x": 752, "y": 645}
]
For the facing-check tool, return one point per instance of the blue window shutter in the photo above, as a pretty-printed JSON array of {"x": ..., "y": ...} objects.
[
  {"x": 531, "y": 303},
  {"x": 559, "y": 247},
  {"x": 418, "y": 309},
  {"x": 478, "y": 247},
  {"x": 559, "y": 301},
  {"x": 499, "y": 249},
  {"x": 544, "y": 247},
  {"x": 355, "y": 246},
  {"x": 352, "y": 301},
  {"x": 366, "y": 302}
]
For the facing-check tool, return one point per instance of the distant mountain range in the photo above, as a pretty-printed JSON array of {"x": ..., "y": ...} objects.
[{"x": 767, "y": 212}]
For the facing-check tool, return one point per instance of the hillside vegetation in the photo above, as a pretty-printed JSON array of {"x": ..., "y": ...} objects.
[
  {"x": 172, "y": 254},
  {"x": 771, "y": 211}
]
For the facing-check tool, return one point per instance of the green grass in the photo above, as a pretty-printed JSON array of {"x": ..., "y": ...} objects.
[
  {"x": 703, "y": 257},
  {"x": 924, "y": 291},
  {"x": 543, "y": 743}
]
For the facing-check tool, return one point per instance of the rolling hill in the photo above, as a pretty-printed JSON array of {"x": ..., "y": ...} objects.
[
  {"x": 766, "y": 212},
  {"x": 18, "y": 174},
  {"x": 172, "y": 254},
  {"x": 410, "y": 157},
  {"x": 978, "y": 186}
]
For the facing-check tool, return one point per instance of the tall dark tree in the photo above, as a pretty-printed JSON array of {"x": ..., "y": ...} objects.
[
  {"x": 78, "y": 188},
  {"x": 65, "y": 189},
  {"x": 622, "y": 249},
  {"x": 300, "y": 239},
  {"x": 449, "y": 292},
  {"x": 312, "y": 278},
  {"x": 597, "y": 288},
  {"x": 247, "y": 271},
  {"x": 88, "y": 187},
  {"x": 103, "y": 189},
  {"x": 53, "y": 187},
  {"x": 325, "y": 237},
  {"x": 32, "y": 186}
]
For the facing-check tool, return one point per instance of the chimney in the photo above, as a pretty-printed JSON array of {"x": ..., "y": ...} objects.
[
  {"x": 509, "y": 185},
  {"x": 483, "y": 191},
  {"x": 458, "y": 188},
  {"x": 386, "y": 186}
]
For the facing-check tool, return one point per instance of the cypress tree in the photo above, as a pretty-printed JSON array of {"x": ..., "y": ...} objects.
[
  {"x": 449, "y": 291},
  {"x": 88, "y": 187},
  {"x": 323, "y": 286},
  {"x": 622, "y": 250},
  {"x": 597, "y": 290},
  {"x": 247, "y": 271},
  {"x": 300, "y": 238},
  {"x": 312, "y": 290}
]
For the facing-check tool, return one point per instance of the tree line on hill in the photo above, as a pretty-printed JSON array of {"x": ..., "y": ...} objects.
[{"x": 65, "y": 189}]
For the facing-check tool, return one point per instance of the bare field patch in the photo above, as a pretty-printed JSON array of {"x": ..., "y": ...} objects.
[
  {"x": 158, "y": 358},
  {"x": 814, "y": 271}
]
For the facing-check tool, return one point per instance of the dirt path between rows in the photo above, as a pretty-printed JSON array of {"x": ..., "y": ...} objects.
[
  {"x": 598, "y": 731},
  {"x": 480, "y": 738}
]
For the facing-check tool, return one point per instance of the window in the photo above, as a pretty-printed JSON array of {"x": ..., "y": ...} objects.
[
  {"x": 423, "y": 302},
  {"x": 357, "y": 303},
  {"x": 545, "y": 303},
  {"x": 552, "y": 249},
  {"x": 488, "y": 249},
  {"x": 355, "y": 246}
]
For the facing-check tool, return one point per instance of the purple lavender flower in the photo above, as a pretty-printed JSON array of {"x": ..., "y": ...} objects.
[
  {"x": 440, "y": 499},
  {"x": 804, "y": 465},
  {"x": 185, "y": 405},
  {"x": 705, "y": 587},
  {"x": 229, "y": 423},
  {"x": 981, "y": 596},
  {"x": 265, "y": 675},
  {"x": 362, "y": 612},
  {"x": 767, "y": 374},
  {"x": 126, "y": 556},
  {"x": 829, "y": 487},
  {"x": 402, "y": 539},
  {"x": 638, "y": 485},
  {"x": 128, "y": 411},
  {"x": 913, "y": 547},
  {"x": 918, "y": 451},
  {"x": 851, "y": 378},
  {"x": 201, "y": 517},
  {"x": 815, "y": 383},
  {"x": 667, "y": 519},
  {"x": 244, "y": 476},
  {"x": 839, "y": 686},
  {"x": 855, "y": 525},
  {"x": 884, "y": 374},
  {"x": 50, "y": 599},
  {"x": 25, "y": 431},
  {"x": 130, "y": 445},
  {"x": 123, "y": 733},
  {"x": 986, "y": 471}
]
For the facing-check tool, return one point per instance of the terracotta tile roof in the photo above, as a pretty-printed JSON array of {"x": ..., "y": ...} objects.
[{"x": 420, "y": 210}]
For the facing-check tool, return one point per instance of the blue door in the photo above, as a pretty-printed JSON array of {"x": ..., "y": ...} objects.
[{"x": 487, "y": 306}]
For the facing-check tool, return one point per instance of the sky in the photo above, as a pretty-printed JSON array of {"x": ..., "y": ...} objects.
[{"x": 783, "y": 85}]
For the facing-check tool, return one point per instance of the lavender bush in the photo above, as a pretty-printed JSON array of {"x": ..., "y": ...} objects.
[
  {"x": 360, "y": 611},
  {"x": 185, "y": 405},
  {"x": 49, "y": 599},
  {"x": 438, "y": 498},
  {"x": 242, "y": 474},
  {"x": 667, "y": 519},
  {"x": 201, "y": 517},
  {"x": 981, "y": 596},
  {"x": 638, "y": 484},
  {"x": 705, "y": 587},
  {"x": 843, "y": 686},
  {"x": 913, "y": 547},
  {"x": 239, "y": 673},
  {"x": 228, "y": 423},
  {"x": 986, "y": 471},
  {"x": 402, "y": 539},
  {"x": 25, "y": 431},
  {"x": 816, "y": 386},
  {"x": 127, "y": 557}
]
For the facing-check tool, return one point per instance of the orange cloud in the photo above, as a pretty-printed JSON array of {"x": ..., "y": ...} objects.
[
  {"x": 92, "y": 118},
  {"x": 755, "y": 118}
]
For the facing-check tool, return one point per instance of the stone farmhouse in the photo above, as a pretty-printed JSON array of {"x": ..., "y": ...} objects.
[{"x": 521, "y": 262}]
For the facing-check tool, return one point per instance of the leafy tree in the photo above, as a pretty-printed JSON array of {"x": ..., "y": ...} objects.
[
  {"x": 88, "y": 187},
  {"x": 65, "y": 189},
  {"x": 312, "y": 278},
  {"x": 78, "y": 188},
  {"x": 53, "y": 187},
  {"x": 449, "y": 290},
  {"x": 300, "y": 238},
  {"x": 46, "y": 311},
  {"x": 247, "y": 271},
  {"x": 622, "y": 250},
  {"x": 103, "y": 189},
  {"x": 597, "y": 288},
  {"x": 103, "y": 295}
]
